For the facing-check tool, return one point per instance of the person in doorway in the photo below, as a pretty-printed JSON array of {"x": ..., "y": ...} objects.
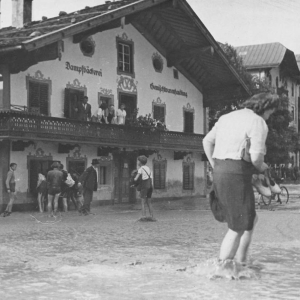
[
  {"x": 145, "y": 186},
  {"x": 234, "y": 161},
  {"x": 89, "y": 181},
  {"x": 54, "y": 182},
  {"x": 84, "y": 110},
  {"x": 64, "y": 194},
  {"x": 121, "y": 115},
  {"x": 11, "y": 188},
  {"x": 111, "y": 117},
  {"x": 42, "y": 191},
  {"x": 104, "y": 108}
]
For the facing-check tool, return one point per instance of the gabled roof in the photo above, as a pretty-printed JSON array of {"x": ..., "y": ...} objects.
[
  {"x": 171, "y": 26},
  {"x": 264, "y": 55},
  {"x": 271, "y": 55}
]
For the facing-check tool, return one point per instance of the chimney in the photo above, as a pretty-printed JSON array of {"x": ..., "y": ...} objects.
[{"x": 21, "y": 12}]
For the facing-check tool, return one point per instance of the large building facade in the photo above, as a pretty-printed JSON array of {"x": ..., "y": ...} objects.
[{"x": 131, "y": 52}]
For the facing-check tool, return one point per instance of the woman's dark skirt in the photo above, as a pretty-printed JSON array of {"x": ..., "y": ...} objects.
[{"x": 233, "y": 188}]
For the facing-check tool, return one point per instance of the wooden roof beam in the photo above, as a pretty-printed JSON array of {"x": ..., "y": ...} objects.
[{"x": 176, "y": 57}]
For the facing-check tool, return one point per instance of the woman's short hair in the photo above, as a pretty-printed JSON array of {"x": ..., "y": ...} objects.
[
  {"x": 142, "y": 159},
  {"x": 259, "y": 103}
]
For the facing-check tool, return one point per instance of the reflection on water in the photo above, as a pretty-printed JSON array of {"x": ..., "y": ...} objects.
[{"x": 114, "y": 257}]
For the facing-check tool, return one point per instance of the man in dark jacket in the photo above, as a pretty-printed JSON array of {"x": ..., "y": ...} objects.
[
  {"x": 89, "y": 181},
  {"x": 84, "y": 111}
]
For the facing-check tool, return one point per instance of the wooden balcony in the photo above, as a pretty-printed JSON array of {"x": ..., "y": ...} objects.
[{"x": 17, "y": 125}]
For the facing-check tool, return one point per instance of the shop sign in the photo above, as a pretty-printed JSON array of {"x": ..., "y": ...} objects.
[
  {"x": 163, "y": 89},
  {"x": 83, "y": 69}
]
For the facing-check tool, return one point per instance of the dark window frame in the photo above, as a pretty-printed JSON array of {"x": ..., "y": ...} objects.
[
  {"x": 130, "y": 45},
  {"x": 39, "y": 80},
  {"x": 73, "y": 159},
  {"x": 188, "y": 166},
  {"x": 161, "y": 182}
]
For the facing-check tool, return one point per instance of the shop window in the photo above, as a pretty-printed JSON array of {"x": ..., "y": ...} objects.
[
  {"x": 159, "y": 112},
  {"x": 76, "y": 166},
  {"x": 159, "y": 174},
  {"x": 105, "y": 173},
  {"x": 38, "y": 97},
  {"x": 188, "y": 176},
  {"x": 125, "y": 57}
]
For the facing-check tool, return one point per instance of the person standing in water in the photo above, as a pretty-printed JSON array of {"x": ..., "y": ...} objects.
[
  {"x": 226, "y": 145},
  {"x": 11, "y": 188},
  {"x": 145, "y": 186}
]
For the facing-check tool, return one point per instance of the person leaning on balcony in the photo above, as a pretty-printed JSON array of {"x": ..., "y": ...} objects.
[
  {"x": 11, "y": 188},
  {"x": 54, "y": 182},
  {"x": 89, "y": 181},
  {"x": 226, "y": 146},
  {"x": 111, "y": 117},
  {"x": 121, "y": 115},
  {"x": 84, "y": 110}
]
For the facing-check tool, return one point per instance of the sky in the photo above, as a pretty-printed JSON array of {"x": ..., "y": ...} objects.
[{"x": 237, "y": 22}]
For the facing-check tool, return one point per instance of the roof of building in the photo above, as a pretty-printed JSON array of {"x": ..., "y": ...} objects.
[
  {"x": 11, "y": 36},
  {"x": 171, "y": 26},
  {"x": 298, "y": 60},
  {"x": 263, "y": 55}
]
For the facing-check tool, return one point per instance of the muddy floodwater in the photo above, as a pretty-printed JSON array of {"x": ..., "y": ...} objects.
[{"x": 110, "y": 255}]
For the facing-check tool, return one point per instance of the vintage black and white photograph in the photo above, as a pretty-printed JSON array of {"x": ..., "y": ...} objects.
[{"x": 149, "y": 149}]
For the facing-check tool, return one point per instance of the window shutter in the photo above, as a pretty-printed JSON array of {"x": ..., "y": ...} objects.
[
  {"x": 67, "y": 104},
  {"x": 189, "y": 122},
  {"x": 159, "y": 171},
  {"x": 33, "y": 100},
  {"x": 188, "y": 177},
  {"x": 44, "y": 101},
  {"x": 159, "y": 113}
]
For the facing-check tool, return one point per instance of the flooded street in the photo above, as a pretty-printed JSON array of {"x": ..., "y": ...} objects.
[{"x": 110, "y": 255}]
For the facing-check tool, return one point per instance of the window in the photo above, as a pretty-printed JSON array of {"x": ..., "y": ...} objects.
[
  {"x": 175, "y": 73},
  {"x": 125, "y": 57},
  {"x": 292, "y": 89},
  {"x": 105, "y": 173},
  {"x": 188, "y": 122},
  {"x": 159, "y": 174},
  {"x": 76, "y": 166},
  {"x": 159, "y": 112},
  {"x": 38, "y": 97},
  {"x": 188, "y": 176}
]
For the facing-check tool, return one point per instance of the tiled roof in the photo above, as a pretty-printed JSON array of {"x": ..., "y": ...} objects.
[
  {"x": 11, "y": 36},
  {"x": 263, "y": 55}
]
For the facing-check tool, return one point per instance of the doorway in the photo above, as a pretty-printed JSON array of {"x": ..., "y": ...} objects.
[
  {"x": 125, "y": 163},
  {"x": 73, "y": 98},
  {"x": 130, "y": 101},
  {"x": 36, "y": 166}
]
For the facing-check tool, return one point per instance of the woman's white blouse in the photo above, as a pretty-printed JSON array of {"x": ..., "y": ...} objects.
[{"x": 230, "y": 133}]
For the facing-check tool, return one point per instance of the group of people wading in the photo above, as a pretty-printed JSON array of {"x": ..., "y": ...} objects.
[{"x": 59, "y": 184}]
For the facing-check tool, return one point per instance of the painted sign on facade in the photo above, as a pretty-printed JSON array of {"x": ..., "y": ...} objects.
[
  {"x": 163, "y": 89},
  {"x": 83, "y": 69}
]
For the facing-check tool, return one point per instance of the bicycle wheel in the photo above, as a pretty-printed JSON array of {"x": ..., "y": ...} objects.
[{"x": 284, "y": 195}]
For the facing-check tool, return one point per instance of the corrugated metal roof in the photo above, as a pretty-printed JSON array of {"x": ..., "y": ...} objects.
[{"x": 264, "y": 55}]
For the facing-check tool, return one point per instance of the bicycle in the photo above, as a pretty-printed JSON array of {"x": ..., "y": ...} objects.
[{"x": 283, "y": 196}]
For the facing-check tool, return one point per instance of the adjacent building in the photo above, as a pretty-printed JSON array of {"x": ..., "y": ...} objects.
[
  {"x": 278, "y": 66},
  {"x": 152, "y": 55}
]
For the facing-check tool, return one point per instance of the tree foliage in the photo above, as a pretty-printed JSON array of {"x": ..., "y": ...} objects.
[{"x": 282, "y": 138}]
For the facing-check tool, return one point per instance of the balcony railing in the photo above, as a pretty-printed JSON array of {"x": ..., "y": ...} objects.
[{"x": 22, "y": 125}]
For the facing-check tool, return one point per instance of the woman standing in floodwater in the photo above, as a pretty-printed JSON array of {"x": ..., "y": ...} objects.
[{"x": 235, "y": 148}]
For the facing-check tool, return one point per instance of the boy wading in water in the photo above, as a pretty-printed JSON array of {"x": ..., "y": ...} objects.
[{"x": 145, "y": 186}]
